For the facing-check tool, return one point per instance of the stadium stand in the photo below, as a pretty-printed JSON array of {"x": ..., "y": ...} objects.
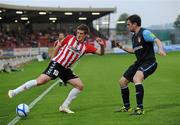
[
  {"x": 26, "y": 26},
  {"x": 27, "y": 31}
]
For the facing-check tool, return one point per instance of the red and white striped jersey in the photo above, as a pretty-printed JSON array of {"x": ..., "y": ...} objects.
[{"x": 72, "y": 50}]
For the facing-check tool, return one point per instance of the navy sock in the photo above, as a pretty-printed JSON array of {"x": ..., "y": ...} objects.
[
  {"x": 139, "y": 95},
  {"x": 125, "y": 96}
]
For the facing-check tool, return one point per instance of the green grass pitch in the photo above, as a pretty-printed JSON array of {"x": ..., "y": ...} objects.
[{"x": 101, "y": 95}]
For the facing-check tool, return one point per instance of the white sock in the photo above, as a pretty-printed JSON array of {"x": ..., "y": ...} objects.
[
  {"x": 72, "y": 95},
  {"x": 27, "y": 85}
]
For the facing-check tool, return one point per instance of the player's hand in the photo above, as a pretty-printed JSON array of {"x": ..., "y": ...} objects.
[
  {"x": 119, "y": 44},
  {"x": 162, "y": 53},
  {"x": 100, "y": 41}
]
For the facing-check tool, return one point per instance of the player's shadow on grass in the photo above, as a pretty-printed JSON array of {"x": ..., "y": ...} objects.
[
  {"x": 95, "y": 107},
  {"x": 162, "y": 106}
]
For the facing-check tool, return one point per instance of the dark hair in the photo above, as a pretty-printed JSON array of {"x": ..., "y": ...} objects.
[
  {"x": 135, "y": 19},
  {"x": 62, "y": 31},
  {"x": 83, "y": 27}
]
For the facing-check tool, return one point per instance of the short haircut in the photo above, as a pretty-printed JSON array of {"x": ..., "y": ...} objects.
[
  {"x": 135, "y": 19},
  {"x": 62, "y": 31},
  {"x": 84, "y": 28}
]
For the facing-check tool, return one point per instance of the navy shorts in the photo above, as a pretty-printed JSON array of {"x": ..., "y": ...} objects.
[
  {"x": 147, "y": 68},
  {"x": 55, "y": 70}
]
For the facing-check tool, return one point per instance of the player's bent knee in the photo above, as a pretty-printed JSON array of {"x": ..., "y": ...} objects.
[
  {"x": 136, "y": 80},
  {"x": 122, "y": 85},
  {"x": 80, "y": 87},
  {"x": 123, "y": 82}
]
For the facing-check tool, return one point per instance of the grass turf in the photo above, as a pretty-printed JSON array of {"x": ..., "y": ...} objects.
[{"x": 101, "y": 95}]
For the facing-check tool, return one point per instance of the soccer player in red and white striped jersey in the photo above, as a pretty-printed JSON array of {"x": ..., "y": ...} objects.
[
  {"x": 59, "y": 40},
  {"x": 67, "y": 53}
]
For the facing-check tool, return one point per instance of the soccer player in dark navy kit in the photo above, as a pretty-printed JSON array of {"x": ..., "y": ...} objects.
[{"x": 143, "y": 48}]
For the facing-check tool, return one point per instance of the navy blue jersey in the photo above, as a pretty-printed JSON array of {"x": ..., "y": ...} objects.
[{"x": 143, "y": 45}]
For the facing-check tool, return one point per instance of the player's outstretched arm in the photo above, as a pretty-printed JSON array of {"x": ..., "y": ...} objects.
[
  {"x": 160, "y": 47},
  {"x": 100, "y": 51},
  {"x": 121, "y": 46}
]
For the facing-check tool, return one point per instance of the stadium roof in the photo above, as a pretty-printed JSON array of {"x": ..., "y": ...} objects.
[{"x": 15, "y": 13}]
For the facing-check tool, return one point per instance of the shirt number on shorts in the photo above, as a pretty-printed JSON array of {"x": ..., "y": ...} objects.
[{"x": 56, "y": 72}]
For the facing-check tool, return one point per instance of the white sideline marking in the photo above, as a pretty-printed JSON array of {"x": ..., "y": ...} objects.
[{"x": 33, "y": 103}]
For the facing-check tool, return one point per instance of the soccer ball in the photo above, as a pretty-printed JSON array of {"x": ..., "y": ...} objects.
[{"x": 22, "y": 110}]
